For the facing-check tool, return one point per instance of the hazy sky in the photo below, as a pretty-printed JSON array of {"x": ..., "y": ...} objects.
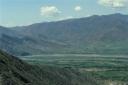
[{"x": 24, "y": 12}]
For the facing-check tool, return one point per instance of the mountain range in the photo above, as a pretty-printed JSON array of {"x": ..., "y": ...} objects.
[{"x": 105, "y": 34}]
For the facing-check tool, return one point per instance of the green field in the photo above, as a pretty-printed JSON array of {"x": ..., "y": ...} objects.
[{"x": 104, "y": 67}]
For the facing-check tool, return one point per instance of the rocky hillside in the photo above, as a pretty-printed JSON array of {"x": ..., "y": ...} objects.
[{"x": 16, "y": 72}]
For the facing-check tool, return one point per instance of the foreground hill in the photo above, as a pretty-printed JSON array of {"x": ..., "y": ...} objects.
[
  {"x": 16, "y": 72},
  {"x": 95, "y": 34}
]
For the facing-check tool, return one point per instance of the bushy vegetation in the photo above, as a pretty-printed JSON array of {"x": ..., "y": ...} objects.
[{"x": 16, "y": 72}]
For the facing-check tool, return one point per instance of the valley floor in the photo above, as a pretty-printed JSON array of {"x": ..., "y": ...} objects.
[{"x": 111, "y": 69}]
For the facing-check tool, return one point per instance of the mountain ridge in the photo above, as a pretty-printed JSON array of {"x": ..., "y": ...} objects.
[
  {"x": 117, "y": 14},
  {"x": 95, "y": 34}
]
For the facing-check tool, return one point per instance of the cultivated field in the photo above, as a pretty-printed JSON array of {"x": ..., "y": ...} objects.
[{"x": 104, "y": 67}]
